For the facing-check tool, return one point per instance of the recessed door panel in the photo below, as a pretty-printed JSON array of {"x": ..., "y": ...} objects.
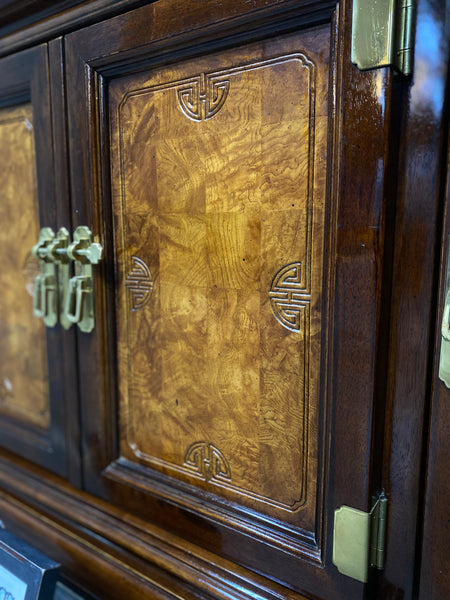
[
  {"x": 218, "y": 169},
  {"x": 24, "y": 386}
]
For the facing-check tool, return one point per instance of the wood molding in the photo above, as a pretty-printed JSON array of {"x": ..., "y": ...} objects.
[
  {"x": 13, "y": 13},
  {"x": 90, "y": 536},
  {"x": 44, "y": 27},
  {"x": 29, "y": 22}
]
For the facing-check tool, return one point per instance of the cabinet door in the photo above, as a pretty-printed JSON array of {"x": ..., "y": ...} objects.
[
  {"x": 232, "y": 161},
  {"x": 34, "y": 385}
]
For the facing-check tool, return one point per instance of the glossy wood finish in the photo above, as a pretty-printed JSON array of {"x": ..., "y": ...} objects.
[
  {"x": 23, "y": 371},
  {"x": 111, "y": 552},
  {"x": 434, "y": 572},
  {"x": 26, "y": 23},
  {"x": 435, "y": 550},
  {"x": 106, "y": 57},
  {"x": 151, "y": 187},
  {"x": 11, "y": 11},
  {"x": 418, "y": 221}
]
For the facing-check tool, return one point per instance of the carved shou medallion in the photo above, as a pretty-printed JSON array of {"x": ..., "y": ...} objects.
[
  {"x": 140, "y": 283},
  {"x": 287, "y": 296},
  {"x": 207, "y": 462},
  {"x": 203, "y": 97}
]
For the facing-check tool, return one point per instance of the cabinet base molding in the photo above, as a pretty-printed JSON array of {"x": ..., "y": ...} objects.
[{"x": 112, "y": 554}]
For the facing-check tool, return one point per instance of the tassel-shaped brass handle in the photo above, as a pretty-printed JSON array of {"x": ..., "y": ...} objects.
[
  {"x": 74, "y": 305},
  {"x": 45, "y": 284},
  {"x": 44, "y": 299},
  {"x": 76, "y": 294},
  {"x": 79, "y": 305}
]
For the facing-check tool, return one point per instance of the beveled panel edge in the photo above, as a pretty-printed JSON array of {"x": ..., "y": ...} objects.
[
  {"x": 15, "y": 84},
  {"x": 84, "y": 532},
  {"x": 290, "y": 539}
]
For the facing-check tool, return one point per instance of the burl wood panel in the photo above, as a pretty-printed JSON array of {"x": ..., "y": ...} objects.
[
  {"x": 218, "y": 168},
  {"x": 23, "y": 362}
]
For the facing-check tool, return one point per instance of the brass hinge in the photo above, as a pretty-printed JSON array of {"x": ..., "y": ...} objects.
[
  {"x": 359, "y": 539},
  {"x": 383, "y": 34}
]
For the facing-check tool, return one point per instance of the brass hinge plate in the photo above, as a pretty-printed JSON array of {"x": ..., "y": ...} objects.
[
  {"x": 382, "y": 34},
  {"x": 359, "y": 539}
]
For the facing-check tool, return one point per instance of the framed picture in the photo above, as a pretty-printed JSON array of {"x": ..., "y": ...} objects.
[{"x": 25, "y": 573}]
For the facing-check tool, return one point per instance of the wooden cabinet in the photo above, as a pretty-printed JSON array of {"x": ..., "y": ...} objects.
[{"x": 246, "y": 182}]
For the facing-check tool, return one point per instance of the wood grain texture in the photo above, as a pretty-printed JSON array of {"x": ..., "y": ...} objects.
[
  {"x": 65, "y": 398},
  {"x": 242, "y": 424},
  {"x": 218, "y": 189},
  {"x": 24, "y": 388},
  {"x": 157, "y": 38},
  {"x": 43, "y": 21},
  {"x": 26, "y": 23}
]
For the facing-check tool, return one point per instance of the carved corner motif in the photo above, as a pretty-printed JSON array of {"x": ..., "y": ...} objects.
[
  {"x": 207, "y": 461},
  {"x": 287, "y": 296},
  {"x": 202, "y": 98},
  {"x": 140, "y": 283}
]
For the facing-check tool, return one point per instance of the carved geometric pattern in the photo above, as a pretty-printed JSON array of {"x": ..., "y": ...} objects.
[
  {"x": 140, "y": 283},
  {"x": 207, "y": 461},
  {"x": 203, "y": 97},
  {"x": 287, "y": 296}
]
